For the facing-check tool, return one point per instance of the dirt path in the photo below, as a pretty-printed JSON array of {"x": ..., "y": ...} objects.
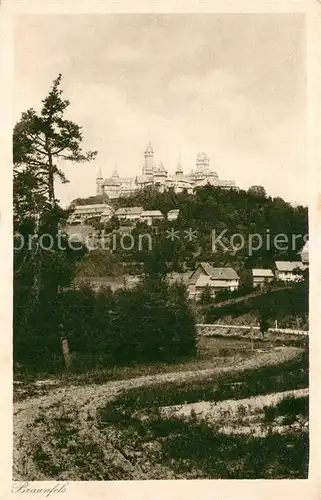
[
  {"x": 229, "y": 410},
  {"x": 85, "y": 400}
]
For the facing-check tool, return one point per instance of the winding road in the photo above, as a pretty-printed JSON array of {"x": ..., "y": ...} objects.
[{"x": 85, "y": 400}]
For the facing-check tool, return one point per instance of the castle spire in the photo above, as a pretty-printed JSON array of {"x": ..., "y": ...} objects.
[
  {"x": 149, "y": 149},
  {"x": 179, "y": 166},
  {"x": 149, "y": 165},
  {"x": 115, "y": 173},
  {"x": 99, "y": 182}
]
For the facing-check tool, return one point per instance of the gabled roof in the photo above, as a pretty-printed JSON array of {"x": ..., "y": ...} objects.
[
  {"x": 94, "y": 207},
  {"x": 218, "y": 273},
  {"x": 152, "y": 213},
  {"x": 129, "y": 211},
  {"x": 305, "y": 247},
  {"x": 207, "y": 268},
  {"x": 289, "y": 266},
  {"x": 112, "y": 181},
  {"x": 262, "y": 273},
  {"x": 203, "y": 281},
  {"x": 304, "y": 252},
  {"x": 107, "y": 211},
  {"x": 227, "y": 273}
]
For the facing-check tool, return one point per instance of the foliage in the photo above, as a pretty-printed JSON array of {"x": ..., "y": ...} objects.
[
  {"x": 43, "y": 260},
  {"x": 257, "y": 190},
  {"x": 220, "y": 456},
  {"x": 195, "y": 448},
  {"x": 206, "y": 296},
  {"x": 149, "y": 323},
  {"x": 236, "y": 212},
  {"x": 41, "y": 139},
  {"x": 274, "y": 305},
  {"x": 90, "y": 200}
]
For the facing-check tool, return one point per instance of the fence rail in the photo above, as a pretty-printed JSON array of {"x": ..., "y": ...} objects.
[{"x": 251, "y": 327}]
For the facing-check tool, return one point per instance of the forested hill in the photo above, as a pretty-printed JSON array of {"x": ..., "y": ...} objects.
[
  {"x": 248, "y": 219},
  {"x": 237, "y": 213}
]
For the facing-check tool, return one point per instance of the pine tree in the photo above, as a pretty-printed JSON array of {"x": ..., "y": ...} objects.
[{"x": 41, "y": 140}]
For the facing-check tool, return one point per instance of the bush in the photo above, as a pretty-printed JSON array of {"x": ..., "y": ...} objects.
[
  {"x": 206, "y": 296},
  {"x": 149, "y": 323}
]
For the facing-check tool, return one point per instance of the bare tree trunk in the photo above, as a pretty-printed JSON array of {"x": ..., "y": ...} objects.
[
  {"x": 34, "y": 252},
  {"x": 51, "y": 186}
]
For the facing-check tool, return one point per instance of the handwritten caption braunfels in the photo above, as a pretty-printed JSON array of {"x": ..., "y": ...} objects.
[{"x": 27, "y": 488}]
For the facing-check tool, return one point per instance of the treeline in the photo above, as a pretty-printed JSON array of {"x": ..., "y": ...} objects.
[
  {"x": 149, "y": 323},
  {"x": 289, "y": 306},
  {"x": 241, "y": 213}
]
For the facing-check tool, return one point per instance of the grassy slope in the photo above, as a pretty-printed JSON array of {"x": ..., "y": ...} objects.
[
  {"x": 61, "y": 435},
  {"x": 194, "y": 449},
  {"x": 212, "y": 352}
]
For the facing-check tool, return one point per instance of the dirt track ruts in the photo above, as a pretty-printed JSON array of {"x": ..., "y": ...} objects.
[{"x": 88, "y": 398}]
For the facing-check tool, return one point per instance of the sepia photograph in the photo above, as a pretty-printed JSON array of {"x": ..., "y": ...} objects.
[{"x": 160, "y": 247}]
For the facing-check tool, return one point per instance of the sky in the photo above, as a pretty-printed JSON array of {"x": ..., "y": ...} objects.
[{"x": 231, "y": 85}]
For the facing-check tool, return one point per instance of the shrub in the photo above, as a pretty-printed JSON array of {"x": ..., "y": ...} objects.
[{"x": 151, "y": 322}]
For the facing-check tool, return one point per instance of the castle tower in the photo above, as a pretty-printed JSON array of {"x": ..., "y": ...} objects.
[
  {"x": 149, "y": 160},
  {"x": 99, "y": 183},
  {"x": 179, "y": 174},
  {"x": 159, "y": 177},
  {"x": 202, "y": 162}
]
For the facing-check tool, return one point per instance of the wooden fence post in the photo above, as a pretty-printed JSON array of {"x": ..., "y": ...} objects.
[{"x": 66, "y": 353}]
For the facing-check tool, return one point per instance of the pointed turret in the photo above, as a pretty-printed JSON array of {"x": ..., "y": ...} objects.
[
  {"x": 149, "y": 149},
  {"x": 149, "y": 160},
  {"x": 179, "y": 169},
  {"x": 179, "y": 174},
  {"x": 99, "y": 182}
]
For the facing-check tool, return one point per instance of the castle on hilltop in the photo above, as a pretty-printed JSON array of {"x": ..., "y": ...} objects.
[{"x": 158, "y": 177}]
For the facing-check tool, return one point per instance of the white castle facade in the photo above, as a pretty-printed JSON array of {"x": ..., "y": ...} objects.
[{"x": 158, "y": 177}]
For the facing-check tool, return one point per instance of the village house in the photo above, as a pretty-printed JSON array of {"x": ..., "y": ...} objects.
[
  {"x": 304, "y": 253},
  {"x": 129, "y": 213},
  {"x": 173, "y": 215},
  {"x": 285, "y": 270},
  {"x": 262, "y": 276},
  {"x": 83, "y": 212},
  {"x": 150, "y": 216},
  {"x": 216, "y": 278},
  {"x": 106, "y": 215}
]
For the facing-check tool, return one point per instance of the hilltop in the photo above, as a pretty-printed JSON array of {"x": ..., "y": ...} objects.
[{"x": 243, "y": 229}]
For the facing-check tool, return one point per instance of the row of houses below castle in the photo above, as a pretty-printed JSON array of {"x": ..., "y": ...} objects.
[
  {"x": 217, "y": 279},
  {"x": 103, "y": 213}
]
